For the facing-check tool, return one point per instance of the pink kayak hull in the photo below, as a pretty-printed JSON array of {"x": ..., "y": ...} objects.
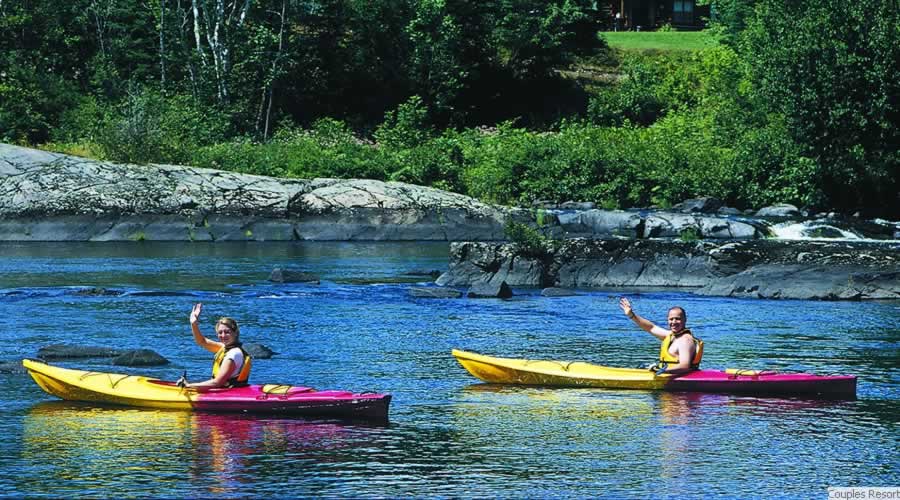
[
  {"x": 763, "y": 383},
  {"x": 300, "y": 401}
]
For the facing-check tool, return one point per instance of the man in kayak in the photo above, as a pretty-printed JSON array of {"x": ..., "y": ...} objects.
[
  {"x": 680, "y": 352},
  {"x": 231, "y": 366}
]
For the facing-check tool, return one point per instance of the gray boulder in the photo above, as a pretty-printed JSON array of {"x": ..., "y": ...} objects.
[
  {"x": 67, "y": 351},
  {"x": 706, "y": 205},
  {"x": 728, "y": 211},
  {"x": 578, "y": 205},
  {"x": 601, "y": 223},
  {"x": 672, "y": 225},
  {"x": 486, "y": 290},
  {"x": 433, "y": 292},
  {"x": 140, "y": 357},
  {"x": 781, "y": 210}
]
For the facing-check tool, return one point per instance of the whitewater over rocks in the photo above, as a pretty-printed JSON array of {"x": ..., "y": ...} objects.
[{"x": 699, "y": 245}]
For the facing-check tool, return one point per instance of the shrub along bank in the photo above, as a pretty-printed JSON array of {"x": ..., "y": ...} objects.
[{"x": 677, "y": 126}]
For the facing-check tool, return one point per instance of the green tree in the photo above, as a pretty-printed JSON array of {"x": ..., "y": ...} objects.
[
  {"x": 830, "y": 68},
  {"x": 534, "y": 37}
]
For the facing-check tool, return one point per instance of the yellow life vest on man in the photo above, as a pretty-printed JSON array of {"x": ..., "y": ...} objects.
[
  {"x": 243, "y": 375},
  {"x": 666, "y": 357}
]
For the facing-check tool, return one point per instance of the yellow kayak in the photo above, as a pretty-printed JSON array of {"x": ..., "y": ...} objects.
[
  {"x": 557, "y": 373},
  {"x": 136, "y": 390},
  {"x": 581, "y": 374}
]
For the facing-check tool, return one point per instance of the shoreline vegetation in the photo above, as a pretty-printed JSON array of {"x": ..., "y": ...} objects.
[{"x": 515, "y": 108}]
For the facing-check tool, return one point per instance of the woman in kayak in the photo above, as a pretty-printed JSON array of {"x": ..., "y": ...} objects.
[
  {"x": 680, "y": 351},
  {"x": 231, "y": 366}
]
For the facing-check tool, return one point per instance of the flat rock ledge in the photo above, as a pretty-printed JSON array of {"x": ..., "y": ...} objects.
[
  {"x": 749, "y": 268},
  {"x": 54, "y": 197}
]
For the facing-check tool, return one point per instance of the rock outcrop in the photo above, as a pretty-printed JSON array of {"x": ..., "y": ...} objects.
[
  {"x": 755, "y": 268},
  {"x": 54, "y": 197}
]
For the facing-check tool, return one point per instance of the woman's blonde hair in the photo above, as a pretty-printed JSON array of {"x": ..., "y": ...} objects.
[{"x": 230, "y": 323}]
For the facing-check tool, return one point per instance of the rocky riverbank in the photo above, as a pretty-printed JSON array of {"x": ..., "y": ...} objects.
[
  {"x": 749, "y": 268},
  {"x": 53, "y": 197},
  {"x": 698, "y": 245}
]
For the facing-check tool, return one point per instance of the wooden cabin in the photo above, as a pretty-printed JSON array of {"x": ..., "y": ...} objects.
[{"x": 650, "y": 15}]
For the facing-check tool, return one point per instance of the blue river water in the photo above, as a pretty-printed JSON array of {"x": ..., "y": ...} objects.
[{"x": 448, "y": 434}]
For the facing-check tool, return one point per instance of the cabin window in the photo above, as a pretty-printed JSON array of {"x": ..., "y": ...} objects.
[{"x": 683, "y": 12}]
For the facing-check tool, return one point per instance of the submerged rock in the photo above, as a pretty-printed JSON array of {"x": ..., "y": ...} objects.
[
  {"x": 432, "y": 273},
  {"x": 67, "y": 351},
  {"x": 557, "y": 292},
  {"x": 12, "y": 367},
  {"x": 140, "y": 357},
  {"x": 97, "y": 292},
  {"x": 279, "y": 275},
  {"x": 434, "y": 292},
  {"x": 259, "y": 351}
]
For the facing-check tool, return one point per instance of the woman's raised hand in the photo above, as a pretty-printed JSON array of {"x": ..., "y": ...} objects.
[
  {"x": 625, "y": 304},
  {"x": 195, "y": 313}
]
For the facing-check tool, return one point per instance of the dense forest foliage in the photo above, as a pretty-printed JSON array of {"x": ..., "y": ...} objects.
[{"x": 798, "y": 102}]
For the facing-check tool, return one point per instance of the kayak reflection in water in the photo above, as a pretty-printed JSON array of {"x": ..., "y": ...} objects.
[
  {"x": 680, "y": 352},
  {"x": 231, "y": 366}
]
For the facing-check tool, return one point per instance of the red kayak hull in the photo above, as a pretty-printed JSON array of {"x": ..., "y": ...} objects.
[
  {"x": 763, "y": 383},
  {"x": 300, "y": 401}
]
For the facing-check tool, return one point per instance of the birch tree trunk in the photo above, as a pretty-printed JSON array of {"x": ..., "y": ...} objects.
[
  {"x": 162, "y": 45},
  {"x": 218, "y": 21},
  {"x": 274, "y": 76},
  {"x": 100, "y": 10}
]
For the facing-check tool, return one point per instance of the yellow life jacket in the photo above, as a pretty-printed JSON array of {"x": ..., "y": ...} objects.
[
  {"x": 665, "y": 357},
  {"x": 243, "y": 375}
]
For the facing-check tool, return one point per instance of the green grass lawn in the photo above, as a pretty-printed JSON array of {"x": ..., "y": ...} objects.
[{"x": 659, "y": 40}]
